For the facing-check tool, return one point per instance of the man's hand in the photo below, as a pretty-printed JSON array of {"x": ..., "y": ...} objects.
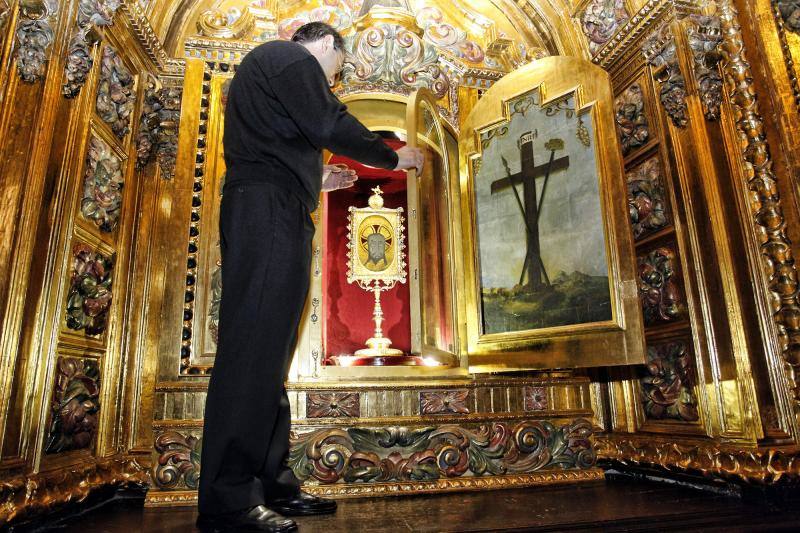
[
  {"x": 408, "y": 157},
  {"x": 335, "y": 177}
]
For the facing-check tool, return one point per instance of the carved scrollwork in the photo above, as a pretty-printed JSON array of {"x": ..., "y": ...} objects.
[
  {"x": 769, "y": 223},
  {"x": 392, "y": 54},
  {"x": 221, "y": 25},
  {"x": 34, "y": 36},
  {"x": 790, "y": 13},
  {"x": 373, "y": 455},
  {"x": 178, "y": 460},
  {"x": 704, "y": 37},
  {"x": 79, "y": 59},
  {"x": 660, "y": 51}
]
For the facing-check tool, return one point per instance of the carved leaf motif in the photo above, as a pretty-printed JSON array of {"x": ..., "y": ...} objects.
[
  {"x": 661, "y": 52},
  {"x": 600, "y": 21},
  {"x": 102, "y": 186},
  {"x": 632, "y": 125},
  {"x": 178, "y": 460},
  {"x": 115, "y": 97},
  {"x": 90, "y": 292},
  {"x": 388, "y": 454},
  {"x": 34, "y": 36},
  {"x": 668, "y": 387},
  {"x": 79, "y": 59},
  {"x": 75, "y": 405},
  {"x": 659, "y": 293},
  {"x": 647, "y": 200}
]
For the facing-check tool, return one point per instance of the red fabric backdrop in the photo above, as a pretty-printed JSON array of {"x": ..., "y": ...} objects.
[{"x": 347, "y": 308}]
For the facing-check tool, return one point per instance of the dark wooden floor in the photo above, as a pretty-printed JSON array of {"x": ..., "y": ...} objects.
[{"x": 598, "y": 507}]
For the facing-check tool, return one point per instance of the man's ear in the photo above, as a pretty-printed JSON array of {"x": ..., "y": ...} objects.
[{"x": 328, "y": 42}]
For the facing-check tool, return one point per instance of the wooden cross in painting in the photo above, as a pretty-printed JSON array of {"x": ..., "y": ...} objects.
[{"x": 531, "y": 206}]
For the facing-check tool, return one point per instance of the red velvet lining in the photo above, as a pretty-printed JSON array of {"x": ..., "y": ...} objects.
[{"x": 347, "y": 308}]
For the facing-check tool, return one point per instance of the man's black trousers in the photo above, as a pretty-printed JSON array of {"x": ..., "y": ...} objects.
[{"x": 265, "y": 237}]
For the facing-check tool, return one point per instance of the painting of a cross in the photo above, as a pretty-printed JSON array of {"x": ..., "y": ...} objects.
[{"x": 530, "y": 205}]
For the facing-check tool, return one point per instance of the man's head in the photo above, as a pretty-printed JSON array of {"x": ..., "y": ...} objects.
[{"x": 325, "y": 44}]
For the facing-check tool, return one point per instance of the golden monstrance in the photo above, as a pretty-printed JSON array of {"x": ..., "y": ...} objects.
[{"x": 376, "y": 261}]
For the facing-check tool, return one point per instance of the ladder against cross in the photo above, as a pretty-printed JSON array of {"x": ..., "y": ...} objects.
[{"x": 529, "y": 205}]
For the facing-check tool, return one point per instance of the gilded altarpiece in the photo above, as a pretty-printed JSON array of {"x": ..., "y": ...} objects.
[{"x": 444, "y": 425}]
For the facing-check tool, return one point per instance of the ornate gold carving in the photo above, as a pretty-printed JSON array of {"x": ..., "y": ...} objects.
[
  {"x": 116, "y": 96},
  {"x": 35, "y": 35},
  {"x": 158, "y": 127},
  {"x": 375, "y": 455},
  {"x": 769, "y": 223},
  {"x": 90, "y": 292},
  {"x": 215, "y": 23},
  {"x": 704, "y": 35},
  {"x": 5, "y": 11},
  {"x": 661, "y": 52},
  {"x": 79, "y": 60},
  {"x": 360, "y": 490},
  {"x": 437, "y": 402},
  {"x": 763, "y": 466},
  {"x": 388, "y": 49},
  {"x": 178, "y": 460},
  {"x": 75, "y": 405},
  {"x": 329, "y": 404},
  {"x": 42, "y": 492},
  {"x": 787, "y": 53},
  {"x": 601, "y": 19},
  {"x": 103, "y": 184},
  {"x": 147, "y": 37}
]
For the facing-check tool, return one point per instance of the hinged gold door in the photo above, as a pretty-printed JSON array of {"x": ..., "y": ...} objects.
[
  {"x": 432, "y": 219},
  {"x": 549, "y": 278}
]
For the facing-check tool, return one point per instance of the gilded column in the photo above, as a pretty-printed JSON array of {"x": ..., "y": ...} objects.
[{"x": 780, "y": 282}]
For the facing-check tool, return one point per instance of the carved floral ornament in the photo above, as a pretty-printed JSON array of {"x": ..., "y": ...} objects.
[
  {"x": 90, "y": 292},
  {"x": 600, "y": 21},
  {"x": 158, "y": 127},
  {"x": 115, "y": 95},
  {"x": 102, "y": 185},
  {"x": 705, "y": 35},
  {"x": 91, "y": 13},
  {"x": 668, "y": 387},
  {"x": 75, "y": 405},
  {"x": 660, "y": 51},
  {"x": 34, "y": 36}
]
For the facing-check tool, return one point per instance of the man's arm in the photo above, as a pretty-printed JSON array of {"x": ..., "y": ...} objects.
[{"x": 324, "y": 120}]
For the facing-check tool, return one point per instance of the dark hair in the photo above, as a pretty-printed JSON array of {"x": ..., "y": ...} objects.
[{"x": 314, "y": 31}]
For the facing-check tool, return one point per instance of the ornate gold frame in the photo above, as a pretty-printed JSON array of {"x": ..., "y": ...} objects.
[{"x": 585, "y": 345}]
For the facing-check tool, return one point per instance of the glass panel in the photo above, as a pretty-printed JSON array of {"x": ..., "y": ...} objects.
[
  {"x": 540, "y": 234},
  {"x": 436, "y": 280}
]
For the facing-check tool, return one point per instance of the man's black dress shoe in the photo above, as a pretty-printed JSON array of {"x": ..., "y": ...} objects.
[
  {"x": 257, "y": 518},
  {"x": 303, "y": 504}
]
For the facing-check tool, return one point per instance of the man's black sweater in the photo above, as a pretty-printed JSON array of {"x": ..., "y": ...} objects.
[{"x": 279, "y": 116}]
